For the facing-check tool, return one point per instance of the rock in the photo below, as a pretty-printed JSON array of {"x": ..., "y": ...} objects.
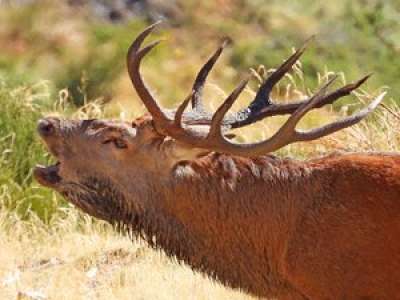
[{"x": 121, "y": 10}]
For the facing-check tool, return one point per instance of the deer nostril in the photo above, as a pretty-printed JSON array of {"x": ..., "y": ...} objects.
[{"x": 45, "y": 127}]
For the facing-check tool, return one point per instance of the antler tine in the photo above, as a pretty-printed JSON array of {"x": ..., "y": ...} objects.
[
  {"x": 140, "y": 38},
  {"x": 201, "y": 77},
  {"x": 215, "y": 128},
  {"x": 134, "y": 59},
  {"x": 262, "y": 96},
  {"x": 294, "y": 119},
  {"x": 343, "y": 91},
  {"x": 341, "y": 124},
  {"x": 181, "y": 109}
]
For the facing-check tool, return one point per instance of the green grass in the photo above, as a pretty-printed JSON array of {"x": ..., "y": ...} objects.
[{"x": 20, "y": 150}]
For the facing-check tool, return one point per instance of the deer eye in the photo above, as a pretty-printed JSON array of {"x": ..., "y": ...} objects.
[{"x": 118, "y": 143}]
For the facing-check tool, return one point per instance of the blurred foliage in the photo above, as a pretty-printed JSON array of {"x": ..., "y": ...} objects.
[
  {"x": 94, "y": 74},
  {"x": 75, "y": 53},
  {"x": 75, "y": 50},
  {"x": 354, "y": 37}
]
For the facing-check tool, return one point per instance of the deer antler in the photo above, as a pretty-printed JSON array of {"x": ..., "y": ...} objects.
[
  {"x": 261, "y": 107},
  {"x": 202, "y": 76}
]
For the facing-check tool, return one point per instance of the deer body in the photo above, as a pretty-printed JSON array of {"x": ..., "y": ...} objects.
[
  {"x": 324, "y": 228},
  {"x": 286, "y": 229}
]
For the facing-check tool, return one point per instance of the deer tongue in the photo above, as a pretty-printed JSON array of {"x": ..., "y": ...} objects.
[{"x": 47, "y": 176}]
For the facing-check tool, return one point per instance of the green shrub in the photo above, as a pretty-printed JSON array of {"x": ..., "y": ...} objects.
[{"x": 20, "y": 149}]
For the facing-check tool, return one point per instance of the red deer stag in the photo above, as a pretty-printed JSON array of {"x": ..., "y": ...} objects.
[{"x": 325, "y": 228}]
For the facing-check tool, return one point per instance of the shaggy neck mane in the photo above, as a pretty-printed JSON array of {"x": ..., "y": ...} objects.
[{"x": 205, "y": 215}]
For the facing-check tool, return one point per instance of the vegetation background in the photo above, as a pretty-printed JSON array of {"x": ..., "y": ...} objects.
[{"x": 68, "y": 58}]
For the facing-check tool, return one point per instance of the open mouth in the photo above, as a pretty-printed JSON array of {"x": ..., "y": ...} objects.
[{"x": 47, "y": 176}]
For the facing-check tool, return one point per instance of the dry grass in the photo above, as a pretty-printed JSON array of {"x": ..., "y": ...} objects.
[{"x": 75, "y": 258}]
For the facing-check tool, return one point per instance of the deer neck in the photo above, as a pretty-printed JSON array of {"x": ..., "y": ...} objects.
[{"x": 219, "y": 212}]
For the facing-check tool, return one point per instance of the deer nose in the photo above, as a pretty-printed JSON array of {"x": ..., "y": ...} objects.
[{"x": 45, "y": 127}]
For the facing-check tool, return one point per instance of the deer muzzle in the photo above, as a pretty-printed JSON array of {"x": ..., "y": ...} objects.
[{"x": 48, "y": 175}]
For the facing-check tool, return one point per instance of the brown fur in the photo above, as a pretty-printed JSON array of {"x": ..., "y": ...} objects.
[{"x": 326, "y": 228}]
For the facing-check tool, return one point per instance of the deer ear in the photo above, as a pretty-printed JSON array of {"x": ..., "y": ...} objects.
[{"x": 145, "y": 129}]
